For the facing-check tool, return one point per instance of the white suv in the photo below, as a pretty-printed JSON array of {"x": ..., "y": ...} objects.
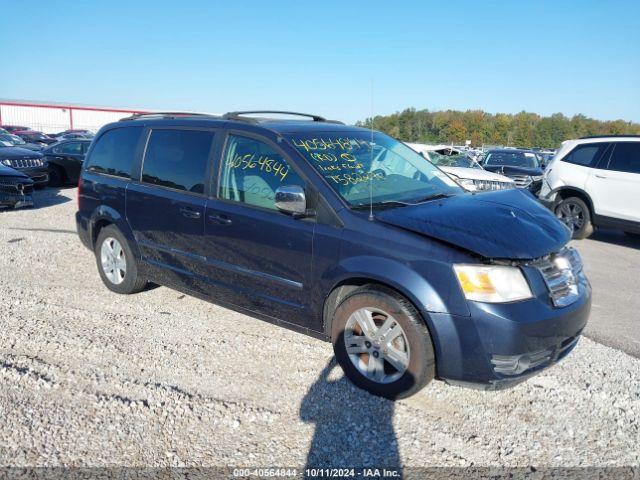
[{"x": 595, "y": 182}]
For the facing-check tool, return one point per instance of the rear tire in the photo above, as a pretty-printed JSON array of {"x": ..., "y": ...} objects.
[
  {"x": 116, "y": 263},
  {"x": 56, "y": 176},
  {"x": 387, "y": 351},
  {"x": 575, "y": 214}
]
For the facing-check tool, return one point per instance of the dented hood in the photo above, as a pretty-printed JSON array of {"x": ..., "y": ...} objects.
[{"x": 507, "y": 224}]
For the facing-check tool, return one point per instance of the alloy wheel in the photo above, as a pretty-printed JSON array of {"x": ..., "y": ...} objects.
[
  {"x": 571, "y": 214},
  {"x": 113, "y": 260},
  {"x": 377, "y": 345}
]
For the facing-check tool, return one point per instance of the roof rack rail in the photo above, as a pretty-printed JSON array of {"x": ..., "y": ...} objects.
[
  {"x": 239, "y": 115},
  {"x": 137, "y": 116},
  {"x": 612, "y": 135}
]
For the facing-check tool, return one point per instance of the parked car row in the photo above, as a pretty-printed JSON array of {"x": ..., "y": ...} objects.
[
  {"x": 57, "y": 165},
  {"x": 463, "y": 168},
  {"x": 494, "y": 169},
  {"x": 36, "y": 140}
]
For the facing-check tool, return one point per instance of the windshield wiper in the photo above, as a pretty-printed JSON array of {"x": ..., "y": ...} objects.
[
  {"x": 386, "y": 203},
  {"x": 436, "y": 196}
]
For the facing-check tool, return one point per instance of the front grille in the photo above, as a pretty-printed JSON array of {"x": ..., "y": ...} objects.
[
  {"x": 25, "y": 162},
  {"x": 561, "y": 274},
  {"x": 15, "y": 186},
  {"x": 492, "y": 185},
  {"x": 522, "y": 181}
]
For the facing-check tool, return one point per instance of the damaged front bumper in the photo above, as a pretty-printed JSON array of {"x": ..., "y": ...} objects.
[
  {"x": 501, "y": 345},
  {"x": 16, "y": 192}
]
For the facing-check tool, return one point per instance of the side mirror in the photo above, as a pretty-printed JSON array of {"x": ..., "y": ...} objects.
[{"x": 291, "y": 199}]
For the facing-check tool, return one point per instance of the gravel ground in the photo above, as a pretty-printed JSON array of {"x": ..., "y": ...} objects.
[
  {"x": 90, "y": 378},
  {"x": 612, "y": 260}
]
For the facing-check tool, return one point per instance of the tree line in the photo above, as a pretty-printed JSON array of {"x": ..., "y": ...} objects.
[{"x": 522, "y": 129}]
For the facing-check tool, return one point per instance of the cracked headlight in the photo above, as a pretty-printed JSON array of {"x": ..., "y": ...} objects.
[{"x": 465, "y": 183}]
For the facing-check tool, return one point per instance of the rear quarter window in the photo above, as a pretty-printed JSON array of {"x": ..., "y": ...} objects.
[
  {"x": 115, "y": 151},
  {"x": 586, "y": 155},
  {"x": 625, "y": 157},
  {"x": 178, "y": 159}
]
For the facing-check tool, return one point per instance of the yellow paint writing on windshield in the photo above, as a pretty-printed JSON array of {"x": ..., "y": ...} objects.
[
  {"x": 355, "y": 178},
  {"x": 319, "y": 144},
  {"x": 341, "y": 159}
]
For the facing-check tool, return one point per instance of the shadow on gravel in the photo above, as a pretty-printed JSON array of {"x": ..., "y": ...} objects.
[
  {"x": 616, "y": 237},
  {"x": 51, "y": 230},
  {"x": 353, "y": 428},
  {"x": 48, "y": 197}
]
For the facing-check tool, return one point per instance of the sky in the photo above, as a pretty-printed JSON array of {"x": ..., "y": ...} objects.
[{"x": 340, "y": 59}]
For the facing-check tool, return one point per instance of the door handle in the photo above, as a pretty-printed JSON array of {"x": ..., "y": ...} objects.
[
  {"x": 219, "y": 219},
  {"x": 189, "y": 212},
  {"x": 600, "y": 176}
]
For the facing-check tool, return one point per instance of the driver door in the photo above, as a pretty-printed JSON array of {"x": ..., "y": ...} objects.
[{"x": 258, "y": 257}]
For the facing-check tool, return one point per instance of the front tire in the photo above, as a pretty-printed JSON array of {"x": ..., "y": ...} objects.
[
  {"x": 116, "y": 264},
  {"x": 382, "y": 343},
  {"x": 575, "y": 214}
]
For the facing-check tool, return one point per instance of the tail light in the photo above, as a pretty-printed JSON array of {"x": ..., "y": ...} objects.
[{"x": 78, "y": 192}]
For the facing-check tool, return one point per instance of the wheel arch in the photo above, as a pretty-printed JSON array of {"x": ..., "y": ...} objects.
[
  {"x": 349, "y": 284},
  {"x": 105, "y": 216},
  {"x": 64, "y": 176},
  {"x": 568, "y": 192}
]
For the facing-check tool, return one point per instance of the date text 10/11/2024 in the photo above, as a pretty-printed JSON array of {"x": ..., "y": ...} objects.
[{"x": 316, "y": 473}]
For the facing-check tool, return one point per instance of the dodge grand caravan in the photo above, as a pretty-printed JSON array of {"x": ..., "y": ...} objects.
[{"x": 340, "y": 233}]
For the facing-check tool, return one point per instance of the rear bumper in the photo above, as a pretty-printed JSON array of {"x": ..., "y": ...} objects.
[
  {"x": 501, "y": 345},
  {"x": 82, "y": 226}
]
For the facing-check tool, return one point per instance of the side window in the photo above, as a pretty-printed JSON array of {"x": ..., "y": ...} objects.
[
  {"x": 177, "y": 159},
  {"x": 586, "y": 155},
  {"x": 252, "y": 171},
  {"x": 625, "y": 157},
  {"x": 114, "y": 152},
  {"x": 71, "y": 148}
]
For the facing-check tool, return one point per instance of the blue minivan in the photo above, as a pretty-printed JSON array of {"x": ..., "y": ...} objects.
[{"x": 338, "y": 232}]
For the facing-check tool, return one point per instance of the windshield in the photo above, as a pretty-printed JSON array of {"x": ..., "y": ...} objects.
[
  {"x": 351, "y": 163},
  {"x": 511, "y": 159},
  {"x": 16, "y": 140},
  {"x": 35, "y": 136},
  {"x": 12, "y": 139},
  {"x": 459, "y": 160}
]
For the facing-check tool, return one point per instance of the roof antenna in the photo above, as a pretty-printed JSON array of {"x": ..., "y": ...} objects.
[{"x": 371, "y": 159}]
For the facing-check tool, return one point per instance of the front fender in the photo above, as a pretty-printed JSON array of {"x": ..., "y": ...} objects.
[
  {"x": 396, "y": 275},
  {"x": 436, "y": 308}
]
